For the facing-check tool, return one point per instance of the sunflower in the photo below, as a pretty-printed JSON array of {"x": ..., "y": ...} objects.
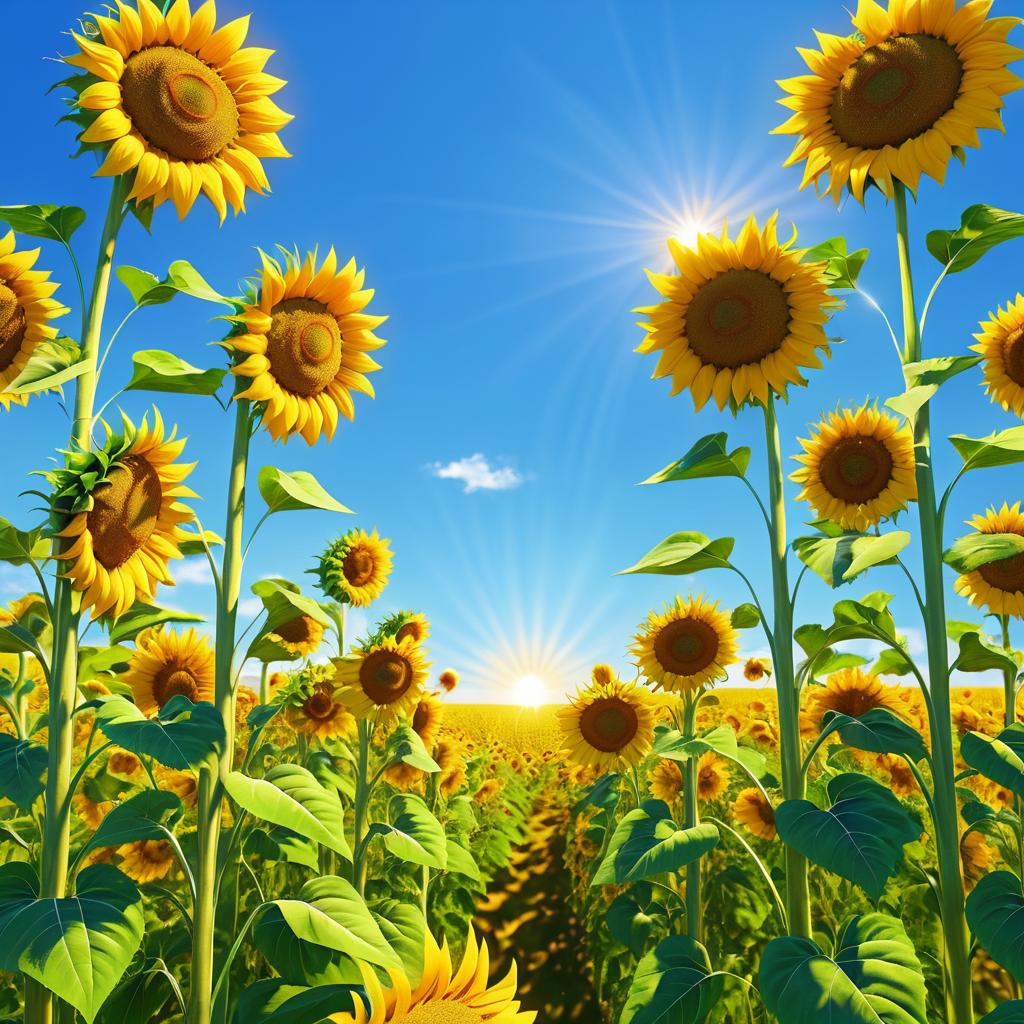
[
  {"x": 666, "y": 781},
  {"x": 426, "y": 719},
  {"x": 449, "y": 680},
  {"x": 123, "y": 764},
  {"x": 975, "y": 858},
  {"x": 897, "y": 774},
  {"x": 386, "y": 679},
  {"x": 91, "y": 812},
  {"x": 740, "y": 319},
  {"x": 849, "y": 692},
  {"x": 183, "y": 784},
  {"x": 301, "y": 635},
  {"x": 26, "y": 309},
  {"x": 415, "y": 626},
  {"x": 686, "y": 646},
  {"x": 315, "y": 706},
  {"x": 999, "y": 585},
  {"x": 712, "y": 776},
  {"x": 166, "y": 664},
  {"x": 608, "y": 725},
  {"x": 901, "y": 96},
  {"x": 443, "y": 995},
  {"x": 181, "y": 106},
  {"x": 756, "y": 668},
  {"x": 602, "y": 673},
  {"x": 755, "y": 813},
  {"x": 488, "y": 790},
  {"x": 146, "y": 860},
  {"x": 124, "y": 523},
  {"x": 303, "y": 344},
  {"x": 355, "y": 568},
  {"x": 405, "y": 777},
  {"x": 1001, "y": 343}
]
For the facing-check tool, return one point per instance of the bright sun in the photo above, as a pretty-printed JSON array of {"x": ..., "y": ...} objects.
[{"x": 530, "y": 691}]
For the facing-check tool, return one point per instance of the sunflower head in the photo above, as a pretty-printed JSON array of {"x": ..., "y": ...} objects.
[
  {"x": 976, "y": 856},
  {"x": 999, "y": 585},
  {"x": 755, "y": 813},
  {"x": 412, "y": 625},
  {"x": 602, "y": 673},
  {"x": 901, "y": 96},
  {"x": 666, "y": 781},
  {"x": 176, "y": 103},
  {"x": 687, "y": 646},
  {"x": 301, "y": 344},
  {"x": 385, "y": 679},
  {"x": 313, "y": 704},
  {"x": 300, "y": 636},
  {"x": 355, "y": 568},
  {"x": 712, "y": 776},
  {"x": 147, "y": 860},
  {"x": 1001, "y": 344},
  {"x": 740, "y": 319},
  {"x": 168, "y": 664},
  {"x": 756, "y": 668},
  {"x": 608, "y": 725},
  {"x": 849, "y": 691},
  {"x": 449, "y": 680},
  {"x": 426, "y": 719}
]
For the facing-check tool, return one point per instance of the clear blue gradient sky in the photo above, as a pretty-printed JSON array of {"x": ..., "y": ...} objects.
[{"x": 505, "y": 171}]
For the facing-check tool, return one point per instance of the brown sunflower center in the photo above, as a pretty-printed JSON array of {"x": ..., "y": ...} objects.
[
  {"x": 1013, "y": 355},
  {"x": 686, "y": 646},
  {"x": 855, "y": 702},
  {"x": 413, "y": 629},
  {"x": 385, "y": 676},
  {"x": 319, "y": 705},
  {"x": 178, "y": 103},
  {"x": 172, "y": 681},
  {"x": 359, "y": 566},
  {"x": 12, "y": 325},
  {"x": 303, "y": 346},
  {"x": 609, "y": 724},
  {"x": 124, "y": 513},
  {"x": 897, "y": 90},
  {"x": 303, "y": 629},
  {"x": 856, "y": 469},
  {"x": 442, "y": 1011},
  {"x": 736, "y": 318},
  {"x": 1005, "y": 574},
  {"x": 422, "y": 717}
]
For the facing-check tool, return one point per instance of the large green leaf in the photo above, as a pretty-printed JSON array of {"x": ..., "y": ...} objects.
[
  {"x": 144, "y": 616},
  {"x": 139, "y": 997},
  {"x": 981, "y": 228},
  {"x": 141, "y": 817},
  {"x": 405, "y": 747},
  {"x": 299, "y": 962},
  {"x": 878, "y": 731},
  {"x": 289, "y": 492},
  {"x": 52, "y": 364},
  {"x": 282, "y": 844},
  {"x": 55, "y": 223},
  {"x": 404, "y": 928},
  {"x": 77, "y": 946},
  {"x": 414, "y": 834},
  {"x": 977, "y": 654},
  {"x": 273, "y": 1001},
  {"x": 1003, "y": 448},
  {"x": 684, "y": 553},
  {"x": 860, "y": 837},
  {"x": 1000, "y": 759},
  {"x": 720, "y": 740},
  {"x": 995, "y": 912},
  {"x": 1011, "y": 1012},
  {"x": 708, "y": 457},
  {"x": 875, "y": 977},
  {"x": 634, "y": 918},
  {"x": 22, "y": 766},
  {"x": 461, "y": 861},
  {"x": 978, "y": 549},
  {"x": 839, "y": 560},
  {"x": 19, "y": 547},
  {"x": 156, "y": 370},
  {"x": 182, "y": 278},
  {"x": 673, "y": 983},
  {"x": 842, "y": 267}
]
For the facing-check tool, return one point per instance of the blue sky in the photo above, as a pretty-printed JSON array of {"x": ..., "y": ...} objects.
[{"x": 505, "y": 172}]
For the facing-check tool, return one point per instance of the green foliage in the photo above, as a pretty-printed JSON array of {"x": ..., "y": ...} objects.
[
  {"x": 843, "y": 267},
  {"x": 272, "y": 1001},
  {"x": 672, "y": 744},
  {"x": 182, "y": 278},
  {"x": 1000, "y": 759},
  {"x": 978, "y": 549},
  {"x": 981, "y": 229},
  {"x": 878, "y": 731},
  {"x": 22, "y": 766},
  {"x": 684, "y": 553},
  {"x": 155, "y": 370},
  {"x": 413, "y": 833},
  {"x": 1002, "y": 448},
  {"x": 288, "y": 492},
  {"x": 54, "y": 223},
  {"x": 841, "y": 559},
  {"x": 140, "y": 817},
  {"x": 673, "y": 983},
  {"x": 977, "y": 654},
  {"x": 53, "y": 363},
  {"x": 995, "y": 912},
  {"x": 142, "y": 616},
  {"x": 708, "y": 457},
  {"x": 745, "y": 616}
]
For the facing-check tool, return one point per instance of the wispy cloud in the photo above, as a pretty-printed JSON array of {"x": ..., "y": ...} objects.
[
  {"x": 477, "y": 474},
  {"x": 193, "y": 570}
]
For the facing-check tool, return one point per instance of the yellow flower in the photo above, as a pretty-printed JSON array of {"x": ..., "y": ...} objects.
[
  {"x": 608, "y": 725},
  {"x": 755, "y": 813},
  {"x": 147, "y": 860},
  {"x": 740, "y": 319},
  {"x": 858, "y": 468},
  {"x": 26, "y": 309},
  {"x": 488, "y": 790},
  {"x": 602, "y": 674},
  {"x": 183, "y": 784},
  {"x": 1001, "y": 342},
  {"x": 355, "y": 568},
  {"x": 426, "y": 719},
  {"x": 303, "y": 345},
  {"x": 849, "y": 692},
  {"x": 666, "y": 781},
  {"x": 184, "y": 107},
  {"x": 712, "y": 776},
  {"x": 898, "y": 98},
  {"x": 90, "y": 811},
  {"x": 415, "y": 626},
  {"x": 448, "y": 679},
  {"x": 898, "y": 776},
  {"x": 975, "y": 858},
  {"x": 756, "y": 668},
  {"x": 301, "y": 635},
  {"x": 315, "y": 705},
  {"x": 166, "y": 664},
  {"x": 385, "y": 680},
  {"x": 120, "y": 542},
  {"x": 124, "y": 764},
  {"x": 687, "y": 646},
  {"x": 997, "y": 586}
]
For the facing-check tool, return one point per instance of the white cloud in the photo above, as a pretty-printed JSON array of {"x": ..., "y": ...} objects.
[
  {"x": 193, "y": 570},
  {"x": 477, "y": 474},
  {"x": 250, "y": 607}
]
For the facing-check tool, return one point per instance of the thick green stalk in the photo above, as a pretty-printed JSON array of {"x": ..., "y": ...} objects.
[
  {"x": 798, "y": 900},
  {"x": 947, "y": 832},
  {"x": 362, "y": 801},
  {"x": 694, "y": 908},
  {"x": 1009, "y": 677},
  {"x": 212, "y": 774},
  {"x": 264, "y": 688}
]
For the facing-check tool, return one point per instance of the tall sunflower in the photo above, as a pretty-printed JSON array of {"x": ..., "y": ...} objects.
[
  {"x": 301, "y": 636},
  {"x": 121, "y": 516},
  {"x": 165, "y": 664},
  {"x": 608, "y": 725},
  {"x": 686, "y": 646},
  {"x": 26, "y": 309},
  {"x": 426, "y": 719},
  {"x": 182, "y": 106},
  {"x": 850, "y": 692},
  {"x": 741, "y": 318},
  {"x": 303, "y": 342},
  {"x": 858, "y": 468},
  {"x": 1001, "y": 343},
  {"x": 355, "y": 568},
  {"x": 315, "y": 706},
  {"x": 997, "y": 586},
  {"x": 901, "y": 96},
  {"x": 386, "y": 679}
]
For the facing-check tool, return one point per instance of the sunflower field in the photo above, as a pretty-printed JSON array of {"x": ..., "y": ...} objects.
[{"x": 337, "y": 838}]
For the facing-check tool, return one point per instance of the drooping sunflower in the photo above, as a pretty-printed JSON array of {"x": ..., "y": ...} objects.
[
  {"x": 165, "y": 664},
  {"x": 602, "y": 673},
  {"x": 901, "y": 96},
  {"x": 608, "y": 725},
  {"x": 386, "y": 679},
  {"x": 1001, "y": 343},
  {"x": 444, "y": 995},
  {"x": 303, "y": 344},
  {"x": 301, "y": 635},
  {"x": 26, "y": 309},
  {"x": 848, "y": 691},
  {"x": 858, "y": 468},
  {"x": 686, "y": 646},
  {"x": 147, "y": 860},
  {"x": 122, "y": 517},
  {"x": 755, "y": 813},
  {"x": 314, "y": 704},
  {"x": 997, "y": 586},
  {"x": 666, "y": 781},
  {"x": 712, "y": 776},
  {"x": 355, "y": 568},
  {"x": 896, "y": 774},
  {"x": 741, "y": 318},
  {"x": 184, "y": 785},
  {"x": 414, "y": 625},
  {"x": 182, "y": 106}
]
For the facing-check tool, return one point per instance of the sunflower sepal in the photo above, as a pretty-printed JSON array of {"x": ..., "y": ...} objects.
[
  {"x": 841, "y": 558},
  {"x": 981, "y": 229}
]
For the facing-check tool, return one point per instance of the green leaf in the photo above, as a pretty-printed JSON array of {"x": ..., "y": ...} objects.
[
  {"x": 878, "y": 731},
  {"x": 839, "y": 560},
  {"x": 978, "y": 549},
  {"x": 55, "y": 223},
  {"x": 283, "y": 603},
  {"x": 97, "y": 661},
  {"x": 708, "y": 457},
  {"x": 284, "y": 845},
  {"x": 290, "y": 796},
  {"x": 978, "y": 655},
  {"x": 414, "y": 834},
  {"x": 843, "y": 267},
  {"x": 460, "y": 861},
  {"x": 189, "y": 281},
  {"x": 288, "y": 492},
  {"x": 910, "y": 402},
  {"x": 981, "y": 228},
  {"x": 144, "y": 616},
  {"x": 141, "y": 996},
  {"x": 871, "y": 611},
  {"x": 15, "y": 639},
  {"x": 647, "y": 842},
  {"x": 874, "y": 977},
  {"x": 892, "y": 662},
  {"x": 77, "y": 946},
  {"x": 141, "y": 817},
  {"x": 299, "y": 962},
  {"x": 18, "y": 547},
  {"x": 22, "y": 766},
  {"x": 404, "y": 928},
  {"x": 52, "y": 364},
  {"x": 684, "y": 553},
  {"x": 156, "y": 370},
  {"x": 1010, "y": 1012},
  {"x": 634, "y": 919},
  {"x": 860, "y": 837},
  {"x": 182, "y": 279},
  {"x": 405, "y": 747},
  {"x": 995, "y": 912},
  {"x": 674, "y": 983},
  {"x": 720, "y": 740},
  {"x": 1003, "y": 448},
  {"x": 194, "y": 544},
  {"x": 745, "y": 616},
  {"x": 273, "y": 1001},
  {"x": 938, "y": 370},
  {"x": 1000, "y": 759}
]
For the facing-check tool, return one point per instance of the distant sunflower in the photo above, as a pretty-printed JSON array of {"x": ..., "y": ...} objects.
[
  {"x": 666, "y": 781},
  {"x": 426, "y": 719},
  {"x": 1001, "y": 342},
  {"x": 997, "y": 586},
  {"x": 415, "y": 626},
  {"x": 975, "y": 858},
  {"x": 304, "y": 344},
  {"x": 26, "y": 309},
  {"x": 602, "y": 673},
  {"x": 901, "y": 96},
  {"x": 167, "y": 664},
  {"x": 712, "y": 776},
  {"x": 858, "y": 468},
  {"x": 449, "y": 680},
  {"x": 301, "y": 636},
  {"x": 315, "y": 706},
  {"x": 608, "y": 725},
  {"x": 849, "y": 692},
  {"x": 686, "y": 646},
  {"x": 898, "y": 776},
  {"x": 124, "y": 521},
  {"x": 385, "y": 679},
  {"x": 182, "y": 107},
  {"x": 756, "y": 668},
  {"x": 355, "y": 568},
  {"x": 183, "y": 784},
  {"x": 147, "y": 860},
  {"x": 755, "y": 813},
  {"x": 740, "y": 318}
]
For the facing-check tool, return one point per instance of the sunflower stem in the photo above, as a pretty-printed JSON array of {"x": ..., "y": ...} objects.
[
  {"x": 362, "y": 799},
  {"x": 947, "y": 834},
  {"x": 1009, "y": 676},
  {"x": 691, "y": 818}
]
